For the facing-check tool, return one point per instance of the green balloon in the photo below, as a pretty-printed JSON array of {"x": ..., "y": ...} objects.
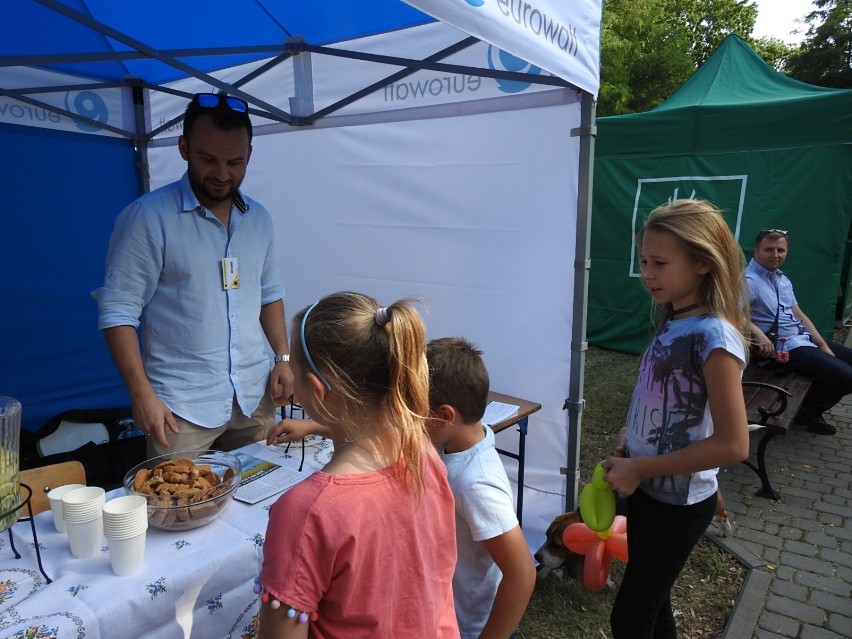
[{"x": 597, "y": 503}]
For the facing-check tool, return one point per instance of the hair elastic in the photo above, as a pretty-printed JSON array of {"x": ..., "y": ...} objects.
[
  {"x": 382, "y": 316},
  {"x": 305, "y": 347}
]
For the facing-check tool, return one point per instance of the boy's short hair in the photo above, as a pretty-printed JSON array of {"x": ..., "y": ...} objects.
[{"x": 457, "y": 377}]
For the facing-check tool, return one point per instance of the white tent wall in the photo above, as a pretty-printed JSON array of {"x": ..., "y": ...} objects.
[
  {"x": 473, "y": 214},
  {"x": 478, "y": 206}
]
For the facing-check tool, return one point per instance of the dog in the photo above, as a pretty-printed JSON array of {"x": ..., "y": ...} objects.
[{"x": 554, "y": 555}]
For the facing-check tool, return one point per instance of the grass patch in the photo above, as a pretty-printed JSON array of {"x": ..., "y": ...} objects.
[{"x": 704, "y": 595}]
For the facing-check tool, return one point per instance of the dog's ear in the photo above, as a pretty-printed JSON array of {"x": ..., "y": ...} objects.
[
  {"x": 556, "y": 524},
  {"x": 561, "y": 523}
]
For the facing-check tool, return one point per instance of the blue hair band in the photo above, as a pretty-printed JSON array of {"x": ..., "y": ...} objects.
[{"x": 305, "y": 348}]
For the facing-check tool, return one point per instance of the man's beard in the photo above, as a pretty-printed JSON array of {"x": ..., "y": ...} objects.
[{"x": 199, "y": 186}]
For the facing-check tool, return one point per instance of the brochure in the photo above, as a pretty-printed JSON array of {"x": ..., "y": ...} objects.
[
  {"x": 262, "y": 479},
  {"x": 496, "y": 412}
]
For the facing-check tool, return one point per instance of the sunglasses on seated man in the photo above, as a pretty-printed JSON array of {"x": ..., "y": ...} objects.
[
  {"x": 764, "y": 232},
  {"x": 213, "y": 100}
]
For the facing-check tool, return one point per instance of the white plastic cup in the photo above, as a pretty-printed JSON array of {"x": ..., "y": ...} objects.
[
  {"x": 55, "y": 498},
  {"x": 83, "y": 504},
  {"x": 125, "y": 516},
  {"x": 126, "y": 556},
  {"x": 125, "y": 533},
  {"x": 86, "y": 537}
]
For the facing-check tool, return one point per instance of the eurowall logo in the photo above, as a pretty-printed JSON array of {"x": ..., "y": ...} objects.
[
  {"x": 499, "y": 60},
  {"x": 726, "y": 192},
  {"x": 537, "y": 21},
  {"x": 88, "y": 104}
]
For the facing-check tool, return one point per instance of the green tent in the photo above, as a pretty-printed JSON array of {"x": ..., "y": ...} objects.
[{"x": 770, "y": 151}]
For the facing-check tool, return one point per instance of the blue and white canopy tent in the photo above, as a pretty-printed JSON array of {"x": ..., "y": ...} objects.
[{"x": 437, "y": 149}]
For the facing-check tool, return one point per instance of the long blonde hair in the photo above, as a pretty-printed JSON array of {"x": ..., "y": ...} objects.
[
  {"x": 705, "y": 235},
  {"x": 376, "y": 363}
]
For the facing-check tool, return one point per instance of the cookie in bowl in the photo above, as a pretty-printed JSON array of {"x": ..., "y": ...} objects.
[{"x": 186, "y": 489}]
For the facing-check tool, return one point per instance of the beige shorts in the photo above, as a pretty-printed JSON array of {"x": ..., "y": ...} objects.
[{"x": 235, "y": 433}]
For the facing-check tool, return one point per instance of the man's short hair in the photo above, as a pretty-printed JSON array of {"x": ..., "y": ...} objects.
[
  {"x": 772, "y": 234},
  {"x": 224, "y": 117},
  {"x": 457, "y": 377}
]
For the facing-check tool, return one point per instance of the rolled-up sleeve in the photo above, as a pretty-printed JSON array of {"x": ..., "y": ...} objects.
[
  {"x": 271, "y": 288},
  {"x": 133, "y": 265}
]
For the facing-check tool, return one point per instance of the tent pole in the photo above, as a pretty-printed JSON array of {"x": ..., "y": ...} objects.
[
  {"x": 140, "y": 139},
  {"x": 575, "y": 403}
]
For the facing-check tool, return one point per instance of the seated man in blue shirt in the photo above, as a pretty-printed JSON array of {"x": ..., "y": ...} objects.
[
  {"x": 774, "y": 309},
  {"x": 192, "y": 266}
]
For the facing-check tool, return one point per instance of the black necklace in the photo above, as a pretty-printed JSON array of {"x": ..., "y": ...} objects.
[{"x": 686, "y": 309}]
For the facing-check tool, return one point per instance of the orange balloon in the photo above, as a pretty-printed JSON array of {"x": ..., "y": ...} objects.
[
  {"x": 580, "y": 539},
  {"x": 617, "y": 543},
  {"x": 599, "y": 552},
  {"x": 596, "y": 568}
]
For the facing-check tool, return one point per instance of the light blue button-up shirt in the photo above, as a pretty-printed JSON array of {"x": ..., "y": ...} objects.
[
  {"x": 764, "y": 301},
  {"x": 201, "y": 344}
]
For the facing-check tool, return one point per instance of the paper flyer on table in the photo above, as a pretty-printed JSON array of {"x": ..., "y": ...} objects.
[
  {"x": 496, "y": 412},
  {"x": 262, "y": 478}
]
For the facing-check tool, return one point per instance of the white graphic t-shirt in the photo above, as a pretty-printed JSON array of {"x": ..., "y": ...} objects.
[{"x": 669, "y": 408}]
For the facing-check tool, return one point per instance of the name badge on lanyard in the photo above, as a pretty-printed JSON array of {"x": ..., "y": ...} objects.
[{"x": 230, "y": 273}]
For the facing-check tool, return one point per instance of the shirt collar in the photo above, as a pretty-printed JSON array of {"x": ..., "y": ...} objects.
[{"x": 191, "y": 203}]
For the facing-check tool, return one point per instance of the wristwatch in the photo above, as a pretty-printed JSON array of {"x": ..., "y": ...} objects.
[{"x": 282, "y": 358}]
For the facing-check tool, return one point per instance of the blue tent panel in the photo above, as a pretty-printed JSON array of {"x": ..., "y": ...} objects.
[
  {"x": 169, "y": 25},
  {"x": 64, "y": 362}
]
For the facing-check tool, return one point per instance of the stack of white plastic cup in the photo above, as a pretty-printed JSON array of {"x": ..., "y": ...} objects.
[
  {"x": 55, "y": 498},
  {"x": 125, "y": 526},
  {"x": 82, "y": 511}
]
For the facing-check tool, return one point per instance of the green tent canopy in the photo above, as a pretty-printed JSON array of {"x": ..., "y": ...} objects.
[{"x": 768, "y": 150}]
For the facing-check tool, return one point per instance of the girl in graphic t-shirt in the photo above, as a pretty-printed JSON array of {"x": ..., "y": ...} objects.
[
  {"x": 686, "y": 416},
  {"x": 365, "y": 547}
]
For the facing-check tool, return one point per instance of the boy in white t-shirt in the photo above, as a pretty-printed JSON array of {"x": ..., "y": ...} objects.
[{"x": 495, "y": 574}]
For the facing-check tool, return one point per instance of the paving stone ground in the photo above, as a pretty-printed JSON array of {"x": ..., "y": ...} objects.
[{"x": 798, "y": 549}]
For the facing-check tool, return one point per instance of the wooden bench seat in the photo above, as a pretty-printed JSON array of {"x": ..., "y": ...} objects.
[{"x": 773, "y": 395}]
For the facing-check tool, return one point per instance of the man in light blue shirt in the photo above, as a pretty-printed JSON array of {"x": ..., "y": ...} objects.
[
  {"x": 191, "y": 265},
  {"x": 774, "y": 309}
]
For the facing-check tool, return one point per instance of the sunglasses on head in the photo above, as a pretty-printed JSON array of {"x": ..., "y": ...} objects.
[
  {"x": 764, "y": 232},
  {"x": 213, "y": 100}
]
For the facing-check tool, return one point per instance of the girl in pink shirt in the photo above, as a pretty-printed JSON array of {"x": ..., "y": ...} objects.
[{"x": 366, "y": 547}]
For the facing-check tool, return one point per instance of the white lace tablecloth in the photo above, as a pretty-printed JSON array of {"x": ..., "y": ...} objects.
[{"x": 194, "y": 583}]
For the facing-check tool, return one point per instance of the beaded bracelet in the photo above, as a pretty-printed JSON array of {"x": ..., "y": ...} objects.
[{"x": 304, "y": 615}]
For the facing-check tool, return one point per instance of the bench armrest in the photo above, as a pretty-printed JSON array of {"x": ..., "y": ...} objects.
[{"x": 782, "y": 393}]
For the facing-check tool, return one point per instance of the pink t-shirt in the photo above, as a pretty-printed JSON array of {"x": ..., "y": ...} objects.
[{"x": 362, "y": 553}]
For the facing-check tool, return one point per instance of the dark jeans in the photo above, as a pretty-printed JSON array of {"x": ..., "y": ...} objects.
[
  {"x": 660, "y": 538},
  {"x": 832, "y": 376}
]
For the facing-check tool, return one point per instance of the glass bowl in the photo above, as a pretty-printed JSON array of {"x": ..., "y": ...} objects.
[{"x": 185, "y": 489}]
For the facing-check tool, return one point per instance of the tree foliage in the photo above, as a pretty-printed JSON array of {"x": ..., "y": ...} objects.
[
  {"x": 825, "y": 55},
  {"x": 650, "y": 47},
  {"x": 705, "y": 23},
  {"x": 774, "y": 52}
]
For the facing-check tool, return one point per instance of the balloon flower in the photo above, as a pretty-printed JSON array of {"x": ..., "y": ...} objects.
[{"x": 601, "y": 536}]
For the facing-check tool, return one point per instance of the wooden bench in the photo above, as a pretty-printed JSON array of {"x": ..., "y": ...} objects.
[{"x": 773, "y": 395}]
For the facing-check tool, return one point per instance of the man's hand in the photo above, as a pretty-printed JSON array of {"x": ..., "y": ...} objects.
[
  {"x": 765, "y": 347},
  {"x": 281, "y": 383},
  {"x": 153, "y": 417},
  {"x": 825, "y": 349},
  {"x": 763, "y": 344}
]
